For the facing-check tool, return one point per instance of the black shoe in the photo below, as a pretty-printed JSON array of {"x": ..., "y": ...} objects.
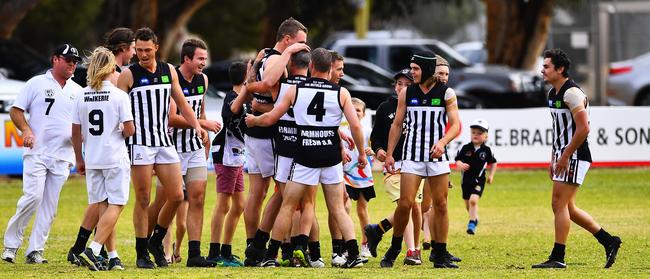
[
  {"x": 426, "y": 246},
  {"x": 198, "y": 261},
  {"x": 270, "y": 263},
  {"x": 254, "y": 256},
  {"x": 432, "y": 257},
  {"x": 115, "y": 264},
  {"x": 144, "y": 262},
  {"x": 88, "y": 259},
  {"x": 550, "y": 264},
  {"x": 612, "y": 250},
  {"x": 352, "y": 263},
  {"x": 444, "y": 262},
  {"x": 72, "y": 258},
  {"x": 158, "y": 254},
  {"x": 389, "y": 258},
  {"x": 373, "y": 238}
]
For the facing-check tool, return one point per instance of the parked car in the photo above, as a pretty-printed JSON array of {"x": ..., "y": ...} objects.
[
  {"x": 488, "y": 85},
  {"x": 629, "y": 82},
  {"x": 9, "y": 89}
]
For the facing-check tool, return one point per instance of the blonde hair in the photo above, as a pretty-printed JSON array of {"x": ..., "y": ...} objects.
[
  {"x": 441, "y": 61},
  {"x": 102, "y": 64},
  {"x": 357, "y": 101}
]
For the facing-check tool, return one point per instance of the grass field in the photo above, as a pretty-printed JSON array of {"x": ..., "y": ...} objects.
[{"x": 516, "y": 230}]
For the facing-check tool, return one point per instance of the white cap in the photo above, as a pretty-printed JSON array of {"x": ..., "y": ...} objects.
[{"x": 481, "y": 124}]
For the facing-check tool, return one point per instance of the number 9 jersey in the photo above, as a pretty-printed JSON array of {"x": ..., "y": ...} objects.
[
  {"x": 100, "y": 114},
  {"x": 318, "y": 113}
]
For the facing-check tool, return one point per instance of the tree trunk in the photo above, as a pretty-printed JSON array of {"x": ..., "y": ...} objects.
[
  {"x": 517, "y": 31},
  {"x": 177, "y": 20},
  {"x": 276, "y": 12},
  {"x": 11, "y": 13}
]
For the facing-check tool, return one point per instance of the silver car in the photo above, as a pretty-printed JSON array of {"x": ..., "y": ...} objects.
[
  {"x": 9, "y": 89},
  {"x": 629, "y": 82}
]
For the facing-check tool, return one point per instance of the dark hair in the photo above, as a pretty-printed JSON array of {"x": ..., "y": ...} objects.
[
  {"x": 336, "y": 56},
  {"x": 118, "y": 38},
  {"x": 289, "y": 27},
  {"x": 301, "y": 59},
  {"x": 321, "y": 59},
  {"x": 146, "y": 34},
  {"x": 190, "y": 46},
  {"x": 559, "y": 59},
  {"x": 237, "y": 72}
]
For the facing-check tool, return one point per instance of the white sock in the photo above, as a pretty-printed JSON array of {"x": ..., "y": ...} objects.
[
  {"x": 96, "y": 247},
  {"x": 112, "y": 255}
]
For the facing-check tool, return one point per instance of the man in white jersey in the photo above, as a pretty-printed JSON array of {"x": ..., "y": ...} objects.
[
  {"x": 102, "y": 119},
  {"x": 151, "y": 84},
  {"x": 48, "y": 155},
  {"x": 318, "y": 106},
  {"x": 570, "y": 159}
]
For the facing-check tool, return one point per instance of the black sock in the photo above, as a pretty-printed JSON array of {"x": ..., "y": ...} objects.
[
  {"x": 302, "y": 240},
  {"x": 314, "y": 250},
  {"x": 249, "y": 241},
  {"x": 103, "y": 252},
  {"x": 141, "y": 247},
  {"x": 272, "y": 252},
  {"x": 82, "y": 239},
  {"x": 395, "y": 247},
  {"x": 558, "y": 252},
  {"x": 193, "y": 249},
  {"x": 384, "y": 226},
  {"x": 353, "y": 248},
  {"x": 287, "y": 252},
  {"x": 260, "y": 239},
  {"x": 158, "y": 234},
  {"x": 337, "y": 246},
  {"x": 215, "y": 250},
  {"x": 226, "y": 250},
  {"x": 440, "y": 250},
  {"x": 604, "y": 238}
]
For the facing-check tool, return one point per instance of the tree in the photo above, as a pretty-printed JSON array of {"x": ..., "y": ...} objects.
[
  {"x": 11, "y": 13},
  {"x": 517, "y": 31}
]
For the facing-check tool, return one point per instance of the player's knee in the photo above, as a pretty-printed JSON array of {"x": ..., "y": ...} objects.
[
  {"x": 440, "y": 206},
  {"x": 473, "y": 201},
  {"x": 222, "y": 208},
  {"x": 197, "y": 198},
  {"x": 405, "y": 203},
  {"x": 142, "y": 201}
]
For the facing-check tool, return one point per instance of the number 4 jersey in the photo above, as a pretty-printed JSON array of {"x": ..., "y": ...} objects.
[
  {"x": 318, "y": 113},
  {"x": 100, "y": 114}
]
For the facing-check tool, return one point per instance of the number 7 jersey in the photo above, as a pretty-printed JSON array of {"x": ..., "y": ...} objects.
[
  {"x": 318, "y": 113},
  {"x": 100, "y": 114}
]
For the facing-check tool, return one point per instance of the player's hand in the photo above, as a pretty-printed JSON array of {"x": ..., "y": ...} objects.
[
  {"x": 389, "y": 164},
  {"x": 297, "y": 47},
  {"x": 561, "y": 165},
  {"x": 381, "y": 155},
  {"x": 203, "y": 134},
  {"x": 362, "y": 161},
  {"x": 344, "y": 154},
  {"x": 28, "y": 139},
  {"x": 81, "y": 167},
  {"x": 250, "y": 71},
  {"x": 437, "y": 150},
  {"x": 490, "y": 179},
  {"x": 462, "y": 166},
  {"x": 212, "y": 126},
  {"x": 369, "y": 152},
  {"x": 250, "y": 120},
  {"x": 348, "y": 139}
]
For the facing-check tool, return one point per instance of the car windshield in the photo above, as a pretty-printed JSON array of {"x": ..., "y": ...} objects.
[
  {"x": 366, "y": 76},
  {"x": 450, "y": 55}
]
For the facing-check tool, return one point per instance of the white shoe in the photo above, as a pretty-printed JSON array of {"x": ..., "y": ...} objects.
[
  {"x": 9, "y": 255},
  {"x": 337, "y": 260},
  {"x": 319, "y": 263},
  {"x": 365, "y": 251},
  {"x": 36, "y": 257}
]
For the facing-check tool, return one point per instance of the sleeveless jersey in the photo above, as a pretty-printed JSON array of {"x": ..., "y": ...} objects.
[
  {"x": 426, "y": 117},
  {"x": 186, "y": 140},
  {"x": 318, "y": 113},
  {"x": 285, "y": 138},
  {"x": 149, "y": 97},
  {"x": 262, "y": 132},
  {"x": 564, "y": 125}
]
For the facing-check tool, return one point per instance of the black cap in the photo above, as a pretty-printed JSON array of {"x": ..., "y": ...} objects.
[
  {"x": 67, "y": 51},
  {"x": 403, "y": 73}
]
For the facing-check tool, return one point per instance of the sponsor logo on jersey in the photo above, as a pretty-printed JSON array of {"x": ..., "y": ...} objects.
[
  {"x": 482, "y": 155},
  {"x": 550, "y": 103},
  {"x": 165, "y": 79},
  {"x": 49, "y": 93},
  {"x": 138, "y": 156},
  {"x": 413, "y": 101},
  {"x": 558, "y": 104},
  {"x": 477, "y": 188},
  {"x": 391, "y": 116},
  {"x": 435, "y": 102},
  {"x": 144, "y": 81},
  {"x": 200, "y": 89},
  {"x": 186, "y": 91}
]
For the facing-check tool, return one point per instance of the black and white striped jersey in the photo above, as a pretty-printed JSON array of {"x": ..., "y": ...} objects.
[
  {"x": 187, "y": 140},
  {"x": 426, "y": 117},
  {"x": 287, "y": 133},
  {"x": 262, "y": 132},
  {"x": 564, "y": 127},
  {"x": 318, "y": 112},
  {"x": 149, "y": 97}
]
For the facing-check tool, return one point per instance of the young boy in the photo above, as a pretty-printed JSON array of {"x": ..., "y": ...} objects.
[
  {"x": 358, "y": 182},
  {"x": 102, "y": 119},
  {"x": 472, "y": 159}
]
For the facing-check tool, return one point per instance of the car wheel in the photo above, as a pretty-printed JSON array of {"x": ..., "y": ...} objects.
[
  {"x": 643, "y": 99},
  {"x": 469, "y": 102}
]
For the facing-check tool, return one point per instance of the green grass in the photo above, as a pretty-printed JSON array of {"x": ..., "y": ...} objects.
[{"x": 516, "y": 230}]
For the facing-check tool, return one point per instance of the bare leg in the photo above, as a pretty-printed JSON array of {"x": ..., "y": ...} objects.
[{"x": 256, "y": 195}]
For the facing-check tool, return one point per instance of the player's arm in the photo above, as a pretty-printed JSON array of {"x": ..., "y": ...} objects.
[
  {"x": 577, "y": 103},
  {"x": 128, "y": 129},
  {"x": 259, "y": 107},
  {"x": 276, "y": 65},
  {"x": 126, "y": 117},
  {"x": 76, "y": 145},
  {"x": 183, "y": 106},
  {"x": 125, "y": 80},
  {"x": 18, "y": 117},
  {"x": 210, "y": 125},
  {"x": 451, "y": 106},
  {"x": 271, "y": 117},
  {"x": 459, "y": 160},
  {"x": 395, "y": 131},
  {"x": 493, "y": 169},
  {"x": 355, "y": 126},
  {"x": 377, "y": 136},
  {"x": 175, "y": 119}
]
